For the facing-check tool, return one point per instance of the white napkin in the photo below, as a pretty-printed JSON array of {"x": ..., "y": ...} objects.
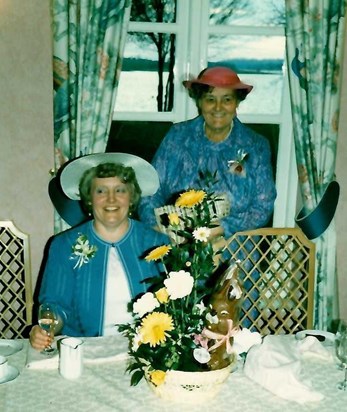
[
  {"x": 95, "y": 350},
  {"x": 311, "y": 347},
  {"x": 276, "y": 365},
  {"x": 105, "y": 349},
  {"x": 245, "y": 339},
  {"x": 38, "y": 360}
]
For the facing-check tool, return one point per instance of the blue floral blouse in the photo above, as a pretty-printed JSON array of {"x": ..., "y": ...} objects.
[{"x": 186, "y": 151}]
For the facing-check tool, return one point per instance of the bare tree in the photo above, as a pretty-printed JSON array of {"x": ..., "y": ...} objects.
[
  {"x": 278, "y": 14},
  {"x": 163, "y": 11},
  {"x": 158, "y": 11},
  {"x": 225, "y": 11}
]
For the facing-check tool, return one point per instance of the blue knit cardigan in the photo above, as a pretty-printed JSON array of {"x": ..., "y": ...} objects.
[{"x": 79, "y": 292}]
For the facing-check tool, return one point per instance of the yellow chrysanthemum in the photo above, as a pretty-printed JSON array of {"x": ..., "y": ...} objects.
[
  {"x": 157, "y": 377},
  {"x": 154, "y": 328},
  {"x": 162, "y": 295},
  {"x": 174, "y": 219},
  {"x": 190, "y": 198},
  {"x": 158, "y": 253}
]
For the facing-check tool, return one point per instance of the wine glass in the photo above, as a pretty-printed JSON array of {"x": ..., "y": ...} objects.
[
  {"x": 47, "y": 321},
  {"x": 341, "y": 330},
  {"x": 341, "y": 353}
]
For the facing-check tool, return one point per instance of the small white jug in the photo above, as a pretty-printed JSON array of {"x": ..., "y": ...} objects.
[{"x": 71, "y": 358}]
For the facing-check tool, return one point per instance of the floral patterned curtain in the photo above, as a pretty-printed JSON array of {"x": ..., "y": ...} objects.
[
  {"x": 88, "y": 43},
  {"x": 315, "y": 30}
]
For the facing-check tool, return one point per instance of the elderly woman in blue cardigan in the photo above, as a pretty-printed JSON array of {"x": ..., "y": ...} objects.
[{"x": 93, "y": 270}]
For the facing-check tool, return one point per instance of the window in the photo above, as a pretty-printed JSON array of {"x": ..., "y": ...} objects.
[
  {"x": 170, "y": 43},
  {"x": 148, "y": 79}
]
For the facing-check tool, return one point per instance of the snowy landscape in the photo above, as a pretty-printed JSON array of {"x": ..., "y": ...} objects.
[{"x": 137, "y": 92}]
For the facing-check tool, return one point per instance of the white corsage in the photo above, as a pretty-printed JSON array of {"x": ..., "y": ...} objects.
[
  {"x": 82, "y": 251},
  {"x": 237, "y": 166}
]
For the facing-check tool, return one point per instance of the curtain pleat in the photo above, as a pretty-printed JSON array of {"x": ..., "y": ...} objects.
[
  {"x": 88, "y": 43},
  {"x": 314, "y": 34}
]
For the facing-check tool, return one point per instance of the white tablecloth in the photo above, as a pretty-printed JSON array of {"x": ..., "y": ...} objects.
[{"x": 104, "y": 386}]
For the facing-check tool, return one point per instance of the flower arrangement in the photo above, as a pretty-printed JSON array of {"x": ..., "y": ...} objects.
[
  {"x": 170, "y": 328},
  {"x": 82, "y": 251}
]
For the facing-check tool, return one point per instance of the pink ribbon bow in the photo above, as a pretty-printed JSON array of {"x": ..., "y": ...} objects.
[{"x": 220, "y": 339}]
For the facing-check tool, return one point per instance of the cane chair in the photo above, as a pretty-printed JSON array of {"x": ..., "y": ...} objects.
[
  {"x": 15, "y": 282},
  {"x": 277, "y": 267}
]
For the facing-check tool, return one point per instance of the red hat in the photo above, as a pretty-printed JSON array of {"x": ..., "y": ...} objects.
[{"x": 219, "y": 77}]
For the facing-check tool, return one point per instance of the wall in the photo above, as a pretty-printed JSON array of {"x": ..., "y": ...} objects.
[{"x": 26, "y": 131}]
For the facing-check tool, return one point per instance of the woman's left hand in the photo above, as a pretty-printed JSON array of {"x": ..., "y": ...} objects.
[{"x": 216, "y": 232}]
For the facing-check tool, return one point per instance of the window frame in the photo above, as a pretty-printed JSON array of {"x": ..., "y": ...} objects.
[{"x": 192, "y": 30}]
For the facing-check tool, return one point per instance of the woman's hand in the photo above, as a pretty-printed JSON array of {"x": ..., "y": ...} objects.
[
  {"x": 216, "y": 233},
  {"x": 39, "y": 338}
]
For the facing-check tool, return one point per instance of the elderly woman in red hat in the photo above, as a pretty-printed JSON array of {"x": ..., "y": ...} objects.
[{"x": 216, "y": 143}]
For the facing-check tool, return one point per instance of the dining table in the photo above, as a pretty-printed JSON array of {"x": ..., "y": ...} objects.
[{"x": 104, "y": 384}]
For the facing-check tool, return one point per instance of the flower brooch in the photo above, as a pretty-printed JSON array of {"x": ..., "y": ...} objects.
[
  {"x": 82, "y": 251},
  {"x": 237, "y": 166}
]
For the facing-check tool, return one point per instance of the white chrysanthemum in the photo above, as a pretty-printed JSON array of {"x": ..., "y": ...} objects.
[
  {"x": 201, "y": 355},
  {"x": 145, "y": 304},
  {"x": 202, "y": 234},
  {"x": 179, "y": 284}
]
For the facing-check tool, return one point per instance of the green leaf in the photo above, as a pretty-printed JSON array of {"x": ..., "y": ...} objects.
[
  {"x": 136, "y": 377},
  {"x": 133, "y": 366}
]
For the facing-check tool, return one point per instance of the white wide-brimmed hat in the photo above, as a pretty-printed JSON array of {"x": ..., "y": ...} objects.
[{"x": 71, "y": 174}]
